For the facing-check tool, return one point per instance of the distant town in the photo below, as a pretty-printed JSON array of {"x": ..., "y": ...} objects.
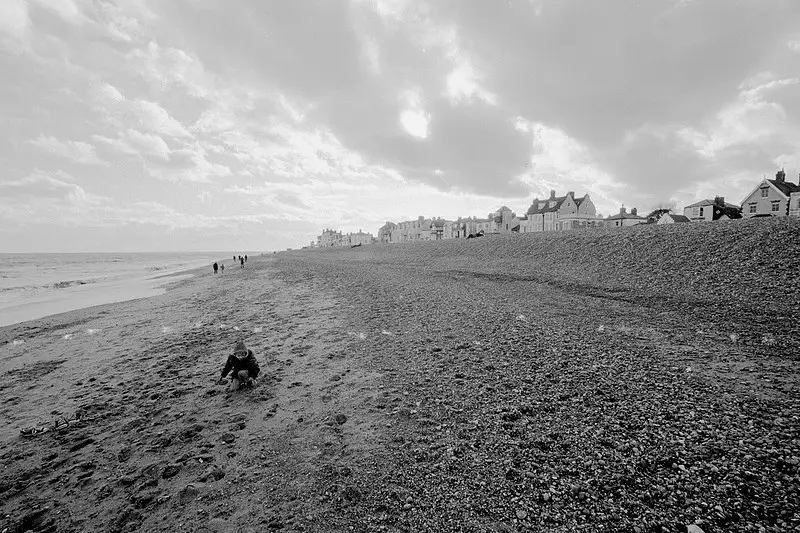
[{"x": 769, "y": 198}]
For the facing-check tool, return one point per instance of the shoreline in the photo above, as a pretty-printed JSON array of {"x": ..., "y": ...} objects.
[{"x": 84, "y": 296}]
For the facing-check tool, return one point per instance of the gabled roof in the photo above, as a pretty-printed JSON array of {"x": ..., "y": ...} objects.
[
  {"x": 786, "y": 187},
  {"x": 544, "y": 205},
  {"x": 623, "y": 216},
  {"x": 703, "y": 203},
  {"x": 678, "y": 218}
]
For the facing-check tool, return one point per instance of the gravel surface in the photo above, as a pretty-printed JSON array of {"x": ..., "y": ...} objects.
[
  {"x": 638, "y": 380},
  {"x": 634, "y": 380}
]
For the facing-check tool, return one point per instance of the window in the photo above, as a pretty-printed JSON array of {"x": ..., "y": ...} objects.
[
  {"x": 798, "y": 203},
  {"x": 753, "y": 208},
  {"x": 764, "y": 192},
  {"x": 776, "y": 206},
  {"x": 701, "y": 211},
  {"x": 695, "y": 211}
]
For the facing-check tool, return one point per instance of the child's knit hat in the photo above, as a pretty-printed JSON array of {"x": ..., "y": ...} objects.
[{"x": 240, "y": 350}]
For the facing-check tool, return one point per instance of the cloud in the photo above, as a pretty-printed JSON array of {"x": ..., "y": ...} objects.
[
  {"x": 56, "y": 185},
  {"x": 122, "y": 112},
  {"x": 77, "y": 151},
  {"x": 14, "y": 20},
  {"x": 134, "y": 142}
]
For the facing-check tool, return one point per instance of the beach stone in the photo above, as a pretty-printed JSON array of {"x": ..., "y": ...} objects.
[
  {"x": 171, "y": 470},
  {"x": 340, "y": 419},
  {"x": 694, "y": 528},
  {"x": 228, "y": 438},
  {"x": 187, "y": 494},
  {"x": 212, "y": 473}
]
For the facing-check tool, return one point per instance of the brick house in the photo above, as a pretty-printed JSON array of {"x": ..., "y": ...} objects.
[{"x": 559, "y": 213}]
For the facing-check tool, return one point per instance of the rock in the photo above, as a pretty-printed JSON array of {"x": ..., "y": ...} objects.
[
  {"x": 187, "y": 494},
  {"x": 171, "y": 470},
  {"x": 340, "y": 419},
  {"x": 212, "y": 473},
  {"x": 228, "y": 438},
  {"x": 522, "y": 514},
  {"x": 694, "y": 528}
]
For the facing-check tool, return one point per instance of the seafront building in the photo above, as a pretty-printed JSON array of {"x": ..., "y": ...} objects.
[
  {"x": 624, "y": 219},
  {"x": 771, "y": 197},
  {"x": 776, "y": 198},
  {"x": 712, "y": 210},
  {"x": 331, "y": 237},
  {"x": 558, "y": 213}
]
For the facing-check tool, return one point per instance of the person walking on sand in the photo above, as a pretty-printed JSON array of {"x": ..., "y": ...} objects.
[
  {"x": 241, "y": 261},
  {"x": 244, "y": 367},
  {"x": 215, "y": 267},
  {"x": 222, "y": 268},
  {"x": 245, "y": 258}
]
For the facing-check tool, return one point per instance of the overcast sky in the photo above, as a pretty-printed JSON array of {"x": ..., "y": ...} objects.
[{"x": 135, "y": 125}]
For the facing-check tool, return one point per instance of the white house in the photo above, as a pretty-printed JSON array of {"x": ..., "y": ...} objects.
[{"x": 770, "y": 197}]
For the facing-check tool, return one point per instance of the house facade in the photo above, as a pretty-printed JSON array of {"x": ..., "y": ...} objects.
[
  {"x": 559, "y": 213},
  {"x": 794, "y": 204},
  {"x": 385, "y": 232},
  {"x": 624, "y": 219},
  {"x": 412, "y": 230},
  {"x": 770, "y": 197},
  {"x": 712, "y": 210},
  {"x": 330, "y": 237}
]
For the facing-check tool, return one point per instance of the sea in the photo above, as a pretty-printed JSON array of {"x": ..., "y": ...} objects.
[{"x": 38, "y": 285}]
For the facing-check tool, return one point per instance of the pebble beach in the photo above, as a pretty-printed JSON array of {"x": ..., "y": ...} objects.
[{"x": 634, "y": 379}]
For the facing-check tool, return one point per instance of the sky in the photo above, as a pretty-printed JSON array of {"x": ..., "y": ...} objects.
[{"x": 188, "y": 125}]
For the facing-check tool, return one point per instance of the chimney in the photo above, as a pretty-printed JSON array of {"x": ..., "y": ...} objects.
[
  {"x": 633, "y": 211},
  {"x": 552, "y": 193},
  {"x": 719, "y": 200},
  {"x": 571, "y": 193},
  {"x": 622, "y": 210},
  {"x": 780, "y": 176}
]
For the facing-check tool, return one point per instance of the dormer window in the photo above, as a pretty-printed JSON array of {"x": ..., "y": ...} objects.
[
  {"x": 552, "y": 204},
  {"x": 764, "y": 192}
]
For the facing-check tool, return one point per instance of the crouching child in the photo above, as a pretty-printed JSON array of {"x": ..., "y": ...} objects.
[{"x": 243, "y": 367}]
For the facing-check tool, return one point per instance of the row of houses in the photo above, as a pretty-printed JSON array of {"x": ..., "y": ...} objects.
[
  {"x": 771, "y": 197},
  {"x": 331, "y": 237}
]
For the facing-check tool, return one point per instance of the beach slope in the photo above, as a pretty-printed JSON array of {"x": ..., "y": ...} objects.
[{"x": 612, "y": 380}]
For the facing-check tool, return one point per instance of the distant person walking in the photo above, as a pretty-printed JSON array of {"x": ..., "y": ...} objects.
[
  {"x": 245, "y": 258},
  {"x": 234, "y": 258},
  {"x": 215, "y": 267},
  {"x": 241, "y": 261},
  {"x": 222, "y": 268}
]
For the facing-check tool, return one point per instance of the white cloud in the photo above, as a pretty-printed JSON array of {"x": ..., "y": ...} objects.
[
  {"x": 462, "y": 84},
  {"x": 77, "y": 151},
  {"x": 14, "y": 19},
  {"x": 134, "y": 142},
  {"x": 66, "y": 9},
  {"x": 561, "y": 162},
  {"x": 122, "y": 112},
  {"x": 415, "y": 122},
  {"x": 750, "y": 118}
]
